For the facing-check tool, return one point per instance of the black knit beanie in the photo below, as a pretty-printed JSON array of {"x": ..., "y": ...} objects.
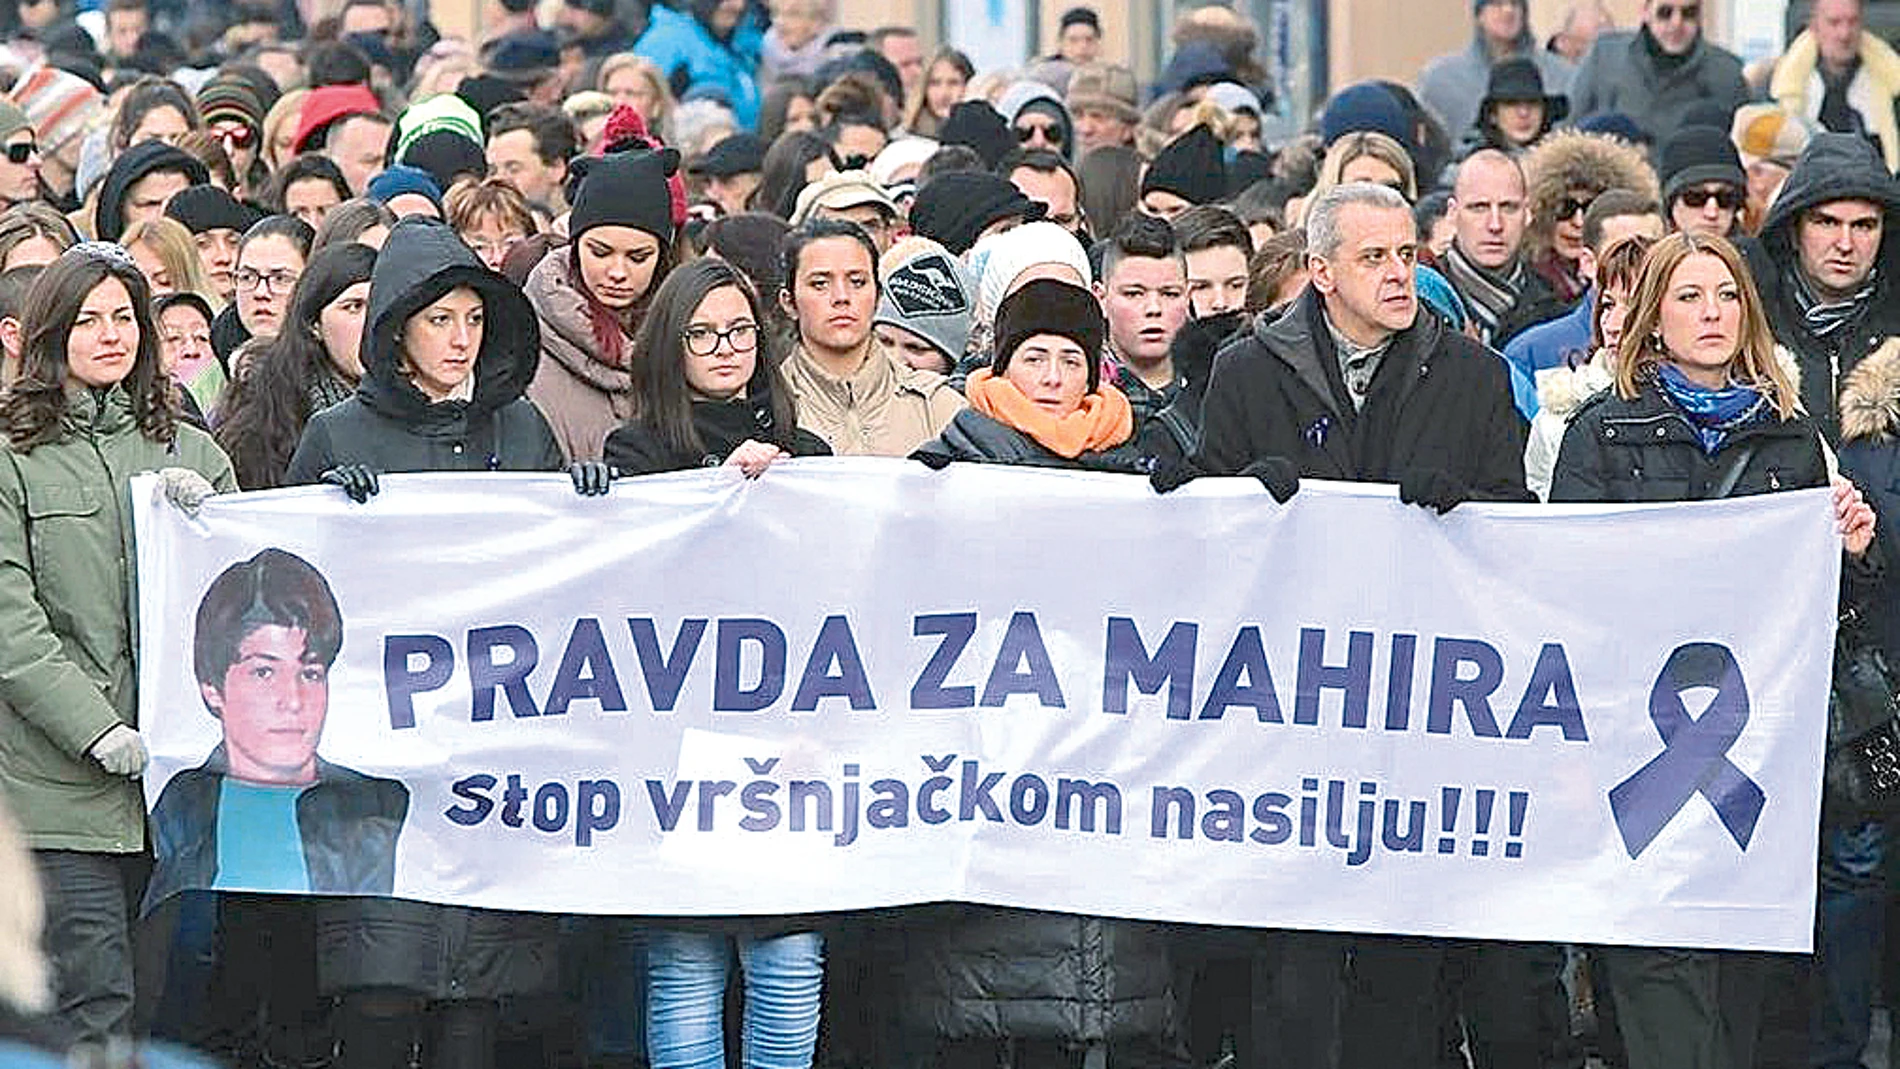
[
  {"x": 1190, "y": 167},
  {"x": 445, "y": 154},
  {"x": 627, "y": 189},
  {"x": 978, "y": 125},
  {"x": 206, "y": 207},
  {"x": 1698, "y": 154},
  {"x": 1050, "y": 306},
  {"x": 953, "y": 208}
]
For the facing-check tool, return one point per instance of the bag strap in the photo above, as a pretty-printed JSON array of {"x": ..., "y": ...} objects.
[{"x": 1738, "y": 462}]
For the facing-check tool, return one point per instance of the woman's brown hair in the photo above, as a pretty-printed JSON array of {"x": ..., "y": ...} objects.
[
  {"x": 34, "y": 408},
  {"x": 1618, "y": 267},
  {"x": 1640, "y": 351}
]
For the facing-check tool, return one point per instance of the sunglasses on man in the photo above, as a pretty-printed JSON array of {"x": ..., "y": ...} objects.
[
  {"x": 1726, "y": 199},
  {"x": 22, "y": 151},
  {"x": 1689, "y": 12}
]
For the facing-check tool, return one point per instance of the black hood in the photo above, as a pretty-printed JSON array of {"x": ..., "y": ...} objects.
[
  {"x": 1832, "y": 167},
  {"x": 133, "y": 164},
  {"x": 421, "y": 261}
]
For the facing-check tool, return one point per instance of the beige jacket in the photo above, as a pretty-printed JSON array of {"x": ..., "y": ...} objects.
[
  {"x": 582, "y": 399},
  {"x": 887, "y": 409}
]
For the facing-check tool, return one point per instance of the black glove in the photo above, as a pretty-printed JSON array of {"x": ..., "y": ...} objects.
[
  {"x": 1433, "y": 488},
  {"x": 933, "y": 460},
  {"x": 1173, "y": 475},
  {"x": 1278, "y": 475},
  {"x": 356, "y": 480},
  {"x": 592, "y": 478}
]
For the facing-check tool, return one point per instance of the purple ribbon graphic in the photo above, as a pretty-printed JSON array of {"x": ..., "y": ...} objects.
[{"x": 1695, "y": 752}]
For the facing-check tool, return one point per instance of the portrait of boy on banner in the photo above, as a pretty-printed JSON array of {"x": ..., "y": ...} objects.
[{"x": 264, "y": 812}]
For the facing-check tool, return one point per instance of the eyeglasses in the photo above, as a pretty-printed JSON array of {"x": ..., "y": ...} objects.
[
  {"x": 278, "y": 281},
  {"x": 237, "y": 136},
  {"x": 1726, "y": 199},
  {"x": 1689, "y": 12},
  {"x": 483, "y": 247},
  {"x": 702, "y": 340},
  {"x": 1571, "y": 207},
  {"x": 1051, "y": 134},
  {"x": 21, "y": 151}
]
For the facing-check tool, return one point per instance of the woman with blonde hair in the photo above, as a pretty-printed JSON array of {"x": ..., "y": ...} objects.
[
  {"x": 1699, "y": 409},
  {"x": 33, "y": 233},
  {"x": 280, "y": 128},
  {"x": 490, "y": 216},
  {"x": 635, "y": 80},
  {"x": 1363, "y": 156},
  {"x": 169, "y": 259}
]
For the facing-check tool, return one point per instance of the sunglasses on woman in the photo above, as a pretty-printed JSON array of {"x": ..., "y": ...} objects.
[{"x": 238, "y": 136}]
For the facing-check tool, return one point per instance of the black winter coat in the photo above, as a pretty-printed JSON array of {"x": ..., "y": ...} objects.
[
  {"x": 389, "y": 425},
  {"x": 1174, "y": 432},
  {"x": 1646, "y": 450},
  {"x": 973, "y": 436},
  {"x": 723, "y": 426},
  {"x": 1439, "y": 401},
  {"x": 1833, "y": 167},
  {"x": 442, "y": 952},
  {"x": 989, "y": 973}
]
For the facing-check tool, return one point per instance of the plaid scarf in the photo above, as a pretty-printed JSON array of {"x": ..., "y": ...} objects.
[{"x": 1488, "y": 295}]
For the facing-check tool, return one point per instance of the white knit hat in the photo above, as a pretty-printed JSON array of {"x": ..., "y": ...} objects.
[{"x": 998, "y": 260}]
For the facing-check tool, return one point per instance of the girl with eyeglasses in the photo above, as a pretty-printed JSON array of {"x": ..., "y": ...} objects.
[
  {"x": 269, "y": 261},
  {"x": 707, "y": 388}
]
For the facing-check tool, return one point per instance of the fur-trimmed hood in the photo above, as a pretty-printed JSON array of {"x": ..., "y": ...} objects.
[
  {"x": 1570, "y": 159},
  {"x": 1870, "y": 398}
]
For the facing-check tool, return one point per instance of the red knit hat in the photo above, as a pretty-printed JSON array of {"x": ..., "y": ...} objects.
[
  {"x": 328, "y": 104},
  {"x": 627, "y": 128}
]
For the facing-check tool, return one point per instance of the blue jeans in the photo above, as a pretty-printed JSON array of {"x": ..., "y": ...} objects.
[
  {"x": 686, "y": 993},
  {"x": 1850, "y": 915}
]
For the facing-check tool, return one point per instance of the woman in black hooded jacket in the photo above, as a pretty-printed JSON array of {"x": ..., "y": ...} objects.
[{"x": 448, "y": 348}]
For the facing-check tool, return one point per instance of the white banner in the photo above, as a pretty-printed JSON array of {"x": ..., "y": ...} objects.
[{"x": 857, "y": 683}]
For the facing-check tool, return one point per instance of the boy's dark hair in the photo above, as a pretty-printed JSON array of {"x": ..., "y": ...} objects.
[
  {"x": 1139, "y": 236},
  {"x": 274, "y": 588},
  {"x": 1608, "y": 205},
  {"x": 1210, "y": 226},
  {"x": 335, "y": 63}
]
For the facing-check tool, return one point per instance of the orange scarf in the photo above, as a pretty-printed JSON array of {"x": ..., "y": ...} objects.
[{"x": 1104, "y": 421}]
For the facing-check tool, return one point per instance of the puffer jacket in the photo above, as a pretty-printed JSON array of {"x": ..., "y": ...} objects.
[
  {"x": 1620, "y": 75},
  {"x": 689, "y": 55},
  {"x": 886, "y": 409},
  {"x": 68, "y": 639},
  {"x": 441, "y": 952},
  {"x": 1833, "y": 167},
  {"x": 388, "y": 424},
  {"x": 1646, "y": 450},
  {"x": 583, "y": 398}
]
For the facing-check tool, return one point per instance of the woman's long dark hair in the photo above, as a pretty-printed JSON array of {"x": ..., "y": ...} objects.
[
  {"x": 35, "y": 406},
  {"x": 147, "y": 95},
  {"x": 660, "y": 392},
  {"x": 782, "y": 174},
  {"x": 265, "y": 412}
]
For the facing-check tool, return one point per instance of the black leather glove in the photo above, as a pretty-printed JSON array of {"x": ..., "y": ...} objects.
[
  {"x": 356, "y": 480},
  {"x": 1278, "y": 475},
  {"x": 1433, "y": 488},
  {"x": 592, "y": 478},
  {"x": 1173, "y": 475},
  {"x": 932, "y": 460}
]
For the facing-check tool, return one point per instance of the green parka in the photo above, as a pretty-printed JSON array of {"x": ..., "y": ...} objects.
[{"x": 67, "y": 618}]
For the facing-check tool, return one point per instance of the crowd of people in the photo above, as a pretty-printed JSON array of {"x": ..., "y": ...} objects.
[{"x": 249, "y": 246}]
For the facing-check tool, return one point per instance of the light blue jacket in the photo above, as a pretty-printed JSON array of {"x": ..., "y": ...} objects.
[{"x": 688, "y": 54}]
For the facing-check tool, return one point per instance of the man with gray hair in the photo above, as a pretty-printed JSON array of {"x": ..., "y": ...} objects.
[{"x": 1355, "y": 382}]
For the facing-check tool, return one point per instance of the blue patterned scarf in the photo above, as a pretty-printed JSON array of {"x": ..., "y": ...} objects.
[{"x": 1714, "y": 414}]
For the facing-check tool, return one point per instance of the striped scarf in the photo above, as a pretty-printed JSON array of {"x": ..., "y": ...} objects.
[
  {"x": 1488, "y": 295},
  {"x": 1823, "y": 318}
]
